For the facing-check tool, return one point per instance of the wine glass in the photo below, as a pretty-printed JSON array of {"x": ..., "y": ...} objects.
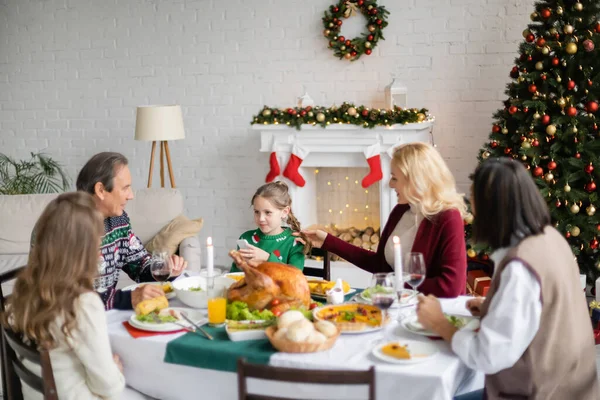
[
  {"x": 161, "y": 266},
  {"x": 415, "y": 270},
  {"x": 383, "y": 293}
]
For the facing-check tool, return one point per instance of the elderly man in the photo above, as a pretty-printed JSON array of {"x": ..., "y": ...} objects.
[{"x": 106, "y": 176}]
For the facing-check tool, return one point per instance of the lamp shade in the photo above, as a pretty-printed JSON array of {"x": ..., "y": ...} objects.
[{"x": 159, "y": 123}]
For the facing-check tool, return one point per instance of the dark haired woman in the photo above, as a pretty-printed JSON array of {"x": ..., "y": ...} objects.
[{"x": 535, "y": 339}]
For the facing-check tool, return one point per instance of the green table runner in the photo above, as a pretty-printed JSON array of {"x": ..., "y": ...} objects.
[{"x": 220, "y": 354}]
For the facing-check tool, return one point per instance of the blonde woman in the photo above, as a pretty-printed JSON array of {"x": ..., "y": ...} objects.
[
  {"x": 55, "y": 306},
  {"x": 428, "y": 219}
]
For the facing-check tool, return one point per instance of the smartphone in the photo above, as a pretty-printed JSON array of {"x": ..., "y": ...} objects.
[{"x": 243, "y": 244}]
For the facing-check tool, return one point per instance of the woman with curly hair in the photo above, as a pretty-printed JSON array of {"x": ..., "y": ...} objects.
[
  {"x": 428, "y": 219},
  {"x": 54, "y": 304}
]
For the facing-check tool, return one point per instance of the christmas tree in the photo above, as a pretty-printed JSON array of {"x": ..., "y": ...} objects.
[{"x": 549, "y": 120}]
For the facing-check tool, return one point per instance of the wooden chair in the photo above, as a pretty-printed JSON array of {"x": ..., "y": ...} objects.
[
  {"x": 323, "y": 377},
  {"x": 14, "y": 351},
  {"x": 4, "y": 278},
  {"x": 324, "y": 272}
]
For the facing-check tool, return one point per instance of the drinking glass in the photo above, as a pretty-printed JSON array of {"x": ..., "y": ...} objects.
[
  {"x": 217, "y": 307},
  {"x": 383, "y": 293},
  {"x": 415, "y": 270},
  {"x": 161, "y": 266}
]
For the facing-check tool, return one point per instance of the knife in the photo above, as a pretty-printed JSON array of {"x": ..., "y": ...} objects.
[{"x": 198, "y": 327}]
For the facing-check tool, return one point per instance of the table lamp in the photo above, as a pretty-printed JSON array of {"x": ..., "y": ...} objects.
[{"x": 159, "y": 123}]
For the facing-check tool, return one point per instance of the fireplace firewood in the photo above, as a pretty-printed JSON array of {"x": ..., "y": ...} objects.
[
  {"x": 375, "y": 238},
  {"x": 369, "y": 231}
]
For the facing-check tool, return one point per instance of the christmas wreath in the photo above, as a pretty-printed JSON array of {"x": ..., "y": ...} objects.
[
  {"x": 352, "y": 49},
  {"x": 347, "y": 113}
]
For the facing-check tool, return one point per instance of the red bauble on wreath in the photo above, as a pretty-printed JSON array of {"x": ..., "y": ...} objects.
[{"x": 352, "y": 49}]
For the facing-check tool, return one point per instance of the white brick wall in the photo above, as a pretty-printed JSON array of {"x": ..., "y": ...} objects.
[{"x": 73, "y": 71}]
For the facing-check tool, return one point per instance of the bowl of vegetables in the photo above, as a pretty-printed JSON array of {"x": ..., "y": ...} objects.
[{"x": 193, "y": 291}]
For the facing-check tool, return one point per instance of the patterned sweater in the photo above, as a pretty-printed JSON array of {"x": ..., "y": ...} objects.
[
  {"x": 282, "y": 248},
  {"x": 120, "y": 250}
]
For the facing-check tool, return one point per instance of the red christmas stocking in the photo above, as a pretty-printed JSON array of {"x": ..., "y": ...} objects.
[
  {"x": 291, "y": 170},
  {"x": 374, "y": 160},
  {"x": 275, "y": 170}
]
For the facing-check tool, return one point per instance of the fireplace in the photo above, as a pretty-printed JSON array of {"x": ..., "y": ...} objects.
[{"x": 334, "y": 168}]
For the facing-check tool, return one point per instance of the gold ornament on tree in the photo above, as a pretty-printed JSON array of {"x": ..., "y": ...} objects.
[
  {"x": 574, "y": 210},
  {"x": 575, "y": 231},
  {"x": 567, "y": 188},
  {"x": 590, "y": 210},
  {"x": 571, "y": 48}
]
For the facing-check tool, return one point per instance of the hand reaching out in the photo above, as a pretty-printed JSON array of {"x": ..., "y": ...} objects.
[{"x": 316, "y": 237}]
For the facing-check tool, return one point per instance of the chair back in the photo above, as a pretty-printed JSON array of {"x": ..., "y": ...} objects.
[
  {"x": 296, "y": 375},
  {"x": 14, "y": 352},
  {"x": 324, "y": 272},
  {"x": 4, "y": 278}
]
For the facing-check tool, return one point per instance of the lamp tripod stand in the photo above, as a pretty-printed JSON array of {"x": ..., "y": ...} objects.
[{"x": 164, "y": 151}]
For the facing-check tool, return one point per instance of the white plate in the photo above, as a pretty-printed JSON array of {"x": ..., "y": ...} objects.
[
  {"x": 194, "y": 315},
  {"x": 420, "y": 351},
  {"x": 412, "y": 325},
  {"x": 406, "y": 293},
  {"x": 324, "y": 296},
  {"x": 169, "y": 295}
]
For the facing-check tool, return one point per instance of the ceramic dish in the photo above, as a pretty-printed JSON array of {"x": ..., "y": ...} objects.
[
  {"x": 196, "y": 316},
  {"x": 351, "y": 318}
]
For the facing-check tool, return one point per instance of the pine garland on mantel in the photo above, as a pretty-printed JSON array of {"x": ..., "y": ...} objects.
[{"x": 347, "y": 113}]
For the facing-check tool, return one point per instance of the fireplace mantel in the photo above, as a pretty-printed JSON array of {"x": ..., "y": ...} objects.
[{"x": 337, "y": 145}]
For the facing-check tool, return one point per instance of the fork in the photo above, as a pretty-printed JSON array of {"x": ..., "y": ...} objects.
[{"x": 198, "y": 327}]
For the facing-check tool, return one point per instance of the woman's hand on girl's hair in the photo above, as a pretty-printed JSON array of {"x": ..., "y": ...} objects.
[
  {"x": 254, "y": 254},
  {"x": 316, "y": 237}
]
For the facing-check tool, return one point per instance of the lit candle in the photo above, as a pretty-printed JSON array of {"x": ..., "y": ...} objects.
[
  {"x": 209, "y": 257},
  {"x": 398, "y": 263}
]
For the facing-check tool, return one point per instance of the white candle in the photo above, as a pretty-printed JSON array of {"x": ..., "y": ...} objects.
[
  {"x": 209, "y": 257},
  {"x": 398, "y": 263}
]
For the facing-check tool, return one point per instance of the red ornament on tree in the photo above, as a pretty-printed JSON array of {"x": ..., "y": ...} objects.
[
  {"x": 598, "y": 227},
  {"x": 360, "y": 2},
  {"x": 591, "y": 106},
  {"x": 538, "y": 171},
  {"x": 302, "y": 113},
  {"x": 588, "y": 45},
  {"x": 507, "y": 150},
  {"x": 335, "y": 9},
  {"x": 535, "y": 143},
  {"x": 290, "y": 111},
  {"x": 571, "y": 85},
  {"x": 545, "y": 119},
  {"x": 594, "y": 244},
  {"x": 540, "y": 42},
  {"x": 577, "y": 155},
  {"x": 494, "y": 144},
  {"x": 555, "y": 62},
  {"x": 530, "y": 38},
  {"x": 590, "y": 187},
  {"x": 589, "y": 168},
  {"x": 496, "y": 129},
  {"x": 370, "y": 38},
  {"x": 368, "y": 52},
  {"x": 544, "y": 77},
  {"x": 365, "y": 113},
  {"x": 558, "y": 203},
  {"x": 378, "y": 21},
  {"x": 568, "y": 235},
  {"x": 532, "y": 88},
  {"x": 546, "y": 13},
  {"x": 513, "y": 109},
  {"x": 552, "y": 165},
  {"x": 590, "y": 83},
  {"x": 571, "y": 111},
  {"x": 342, "y": 39}
]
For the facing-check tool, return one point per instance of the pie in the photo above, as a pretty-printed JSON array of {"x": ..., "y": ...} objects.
[{"x": 350, "y": 317}]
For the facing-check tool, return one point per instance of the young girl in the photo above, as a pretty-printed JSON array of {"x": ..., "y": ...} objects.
[
  {"x": 54, "y": 304},
  {"x": 271, "y": 241}
]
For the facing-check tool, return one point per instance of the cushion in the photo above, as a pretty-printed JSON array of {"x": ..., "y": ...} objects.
[{"x": 170, "y": 236}]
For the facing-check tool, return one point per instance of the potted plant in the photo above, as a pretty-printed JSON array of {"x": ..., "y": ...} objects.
[{"x": 40, "y": 174}]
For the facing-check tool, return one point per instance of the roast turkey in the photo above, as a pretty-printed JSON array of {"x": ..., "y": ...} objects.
[{"x": 269, "y": 281}]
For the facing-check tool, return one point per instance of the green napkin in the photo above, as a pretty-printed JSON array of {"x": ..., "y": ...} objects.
[{"x": 220, "y": 354}]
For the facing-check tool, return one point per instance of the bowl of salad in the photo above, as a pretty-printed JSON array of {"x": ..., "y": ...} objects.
[{"x": 193, "y": 291}]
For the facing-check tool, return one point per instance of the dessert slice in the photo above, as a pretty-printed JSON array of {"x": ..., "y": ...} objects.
[{"x": 396, "y": 350}]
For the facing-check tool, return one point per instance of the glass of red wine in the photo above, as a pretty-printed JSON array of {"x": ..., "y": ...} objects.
[
  {"x": 161, "y": 266},
  {"x": 383, "y": 293},
  {"x": 414, "y": 273}
]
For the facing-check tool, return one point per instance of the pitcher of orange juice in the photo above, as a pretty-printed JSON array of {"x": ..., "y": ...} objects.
[{"x": 217, "y": 304}]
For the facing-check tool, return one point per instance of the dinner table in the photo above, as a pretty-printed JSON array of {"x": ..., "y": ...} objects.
[{"x": 184, "y": 365}]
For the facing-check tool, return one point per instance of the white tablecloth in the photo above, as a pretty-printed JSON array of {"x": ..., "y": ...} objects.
[{"x": 439, "y": 378}]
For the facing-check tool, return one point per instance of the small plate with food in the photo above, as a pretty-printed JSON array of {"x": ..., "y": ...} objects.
[
  {"x": 412, "y": 324},
  {"x": 155, "y": 315},
  {"x": 405, "y": 352},
  {"x": 167, "y": 287},
  {"x": 351, "y": 318},
  {"x": 319, "y": 287},
  {"x": 409, "y": 297}
]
